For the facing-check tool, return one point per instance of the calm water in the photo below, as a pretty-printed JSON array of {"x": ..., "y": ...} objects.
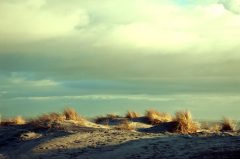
[{"x": 202, "y": 106}]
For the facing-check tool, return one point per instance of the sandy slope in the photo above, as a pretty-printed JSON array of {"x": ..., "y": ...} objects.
[{"x": 102, "y": 142}]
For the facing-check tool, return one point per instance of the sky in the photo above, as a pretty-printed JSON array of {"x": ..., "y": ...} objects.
[{"x": 119, "y": 55}]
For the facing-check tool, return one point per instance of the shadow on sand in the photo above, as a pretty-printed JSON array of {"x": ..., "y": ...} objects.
[{"x": 163, "y": 146}]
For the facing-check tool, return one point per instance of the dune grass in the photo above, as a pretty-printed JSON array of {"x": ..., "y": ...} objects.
[
  {"x": 227, "y": 125},
  {"x": 53, "y": 120},
  {"x": 185, "y": 123},
  {"x": 132, "y": 115},
  {"x": 50, "y": 117},
  {"x": 215, "y": 128},
  {"x": 71, "y": 114},
  {"x": 155, "y": 117},
  {"x": 19, "y": 120},
  {"x": 48, "y": 121},
  {"x": 182, "y": 122},
  {"x": 212, "y": 127},
  {"x": 126, "y": 125}
]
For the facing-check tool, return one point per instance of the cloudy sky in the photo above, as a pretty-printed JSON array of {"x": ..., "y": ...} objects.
[{"x": 115, "y": 55}]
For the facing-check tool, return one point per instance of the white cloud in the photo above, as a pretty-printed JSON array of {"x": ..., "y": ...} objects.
[
  {"x": 172, "y": 28},
  {"x": 231, "y": 5},
  {"x": 98, "y": 97},
  {"x": 27, "y": 20},
  {"x": 188, "y": 98},
  {"x": 142, "y": 26},
  {"x": 32, "y": 83}
]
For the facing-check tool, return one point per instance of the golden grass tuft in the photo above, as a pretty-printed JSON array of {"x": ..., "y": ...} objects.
[
  {"x": 14, "y": 121},
  {"x": 185, "y": 124},
  {"x": 54, "y": 120},
  {"x": 19, "y": 120},
  {"x": 132, "y": 115},
  {"x": 70, "y": 114},
  {"x": 51, "y": 117},
  {"x": 212, "y": 127},
  {"x": 227, "y": 125},
  {"x": 156, "y": 117},
  {"x": 215, "y": 128},
  {"x": 49, "y": 120},
  {"x": 126, "y": 125}
]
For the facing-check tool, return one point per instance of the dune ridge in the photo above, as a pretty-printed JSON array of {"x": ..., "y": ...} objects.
[{"x": 152, "y": 135}]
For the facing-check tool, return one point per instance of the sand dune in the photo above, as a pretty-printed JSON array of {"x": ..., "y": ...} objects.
[{"x": 96, "y": 141}]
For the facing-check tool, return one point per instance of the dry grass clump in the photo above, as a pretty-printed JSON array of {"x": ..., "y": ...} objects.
[
  {"x": 19, "y": 120},
  {"x": 132, "y": 115},
  {"x": 126, "y": 125},
  {"x": 50, "y": 120},
  {"x": 185, "y": 124},
  {"x": 156, "y": 117},
  {"x": 227, "y": 125},
  {"x": 51, "y": 117},
  {"x": 14, "y": 121},
  {"x": 70, "y": 114},
  {"x": 53, "y": 120},
  {"x": 212, "y": 127}
]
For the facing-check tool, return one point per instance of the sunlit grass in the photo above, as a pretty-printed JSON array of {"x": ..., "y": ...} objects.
[
  {"x": 156, "y": 117},
  {"x": 54, "y": 120},
  {"x": 126, "y": 125},
  {"x": 132, "y": 115},
  {"x": 182, "y": 122},
  {"x": 19, "y": 120},
  {"x": 185, "y": 123},
  {"x": 227, "y": 125}
]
